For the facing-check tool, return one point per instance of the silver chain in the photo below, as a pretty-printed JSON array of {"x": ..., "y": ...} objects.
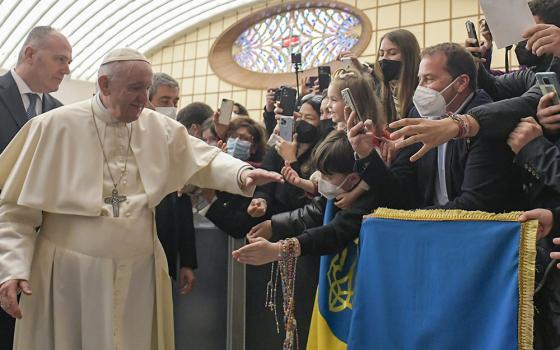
[{"x": 115, "y": 184}]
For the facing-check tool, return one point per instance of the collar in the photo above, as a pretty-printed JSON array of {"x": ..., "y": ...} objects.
[
  {"x": 464, "y": 104},
  {"x": 22, "y": 85},
  {"x": 101, "y": 112}
]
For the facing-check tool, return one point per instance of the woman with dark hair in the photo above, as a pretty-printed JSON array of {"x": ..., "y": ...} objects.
[{"x": 245, "y": 141}]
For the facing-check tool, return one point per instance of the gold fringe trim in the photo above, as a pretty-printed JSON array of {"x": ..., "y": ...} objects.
[
  {"x": 442, "y": 215},
  {"x": 526, "y": 281},
  {"x": 527, "y": 255}
]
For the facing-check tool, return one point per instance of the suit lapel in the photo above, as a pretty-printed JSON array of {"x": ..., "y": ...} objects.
[
  {"x": 11, "y": 98},
  {"x": 429, "y": 175},
  {"x": 49, "y": 103}
]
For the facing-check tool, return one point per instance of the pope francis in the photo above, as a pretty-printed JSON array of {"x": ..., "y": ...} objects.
[{"x": 78, "y": 190}]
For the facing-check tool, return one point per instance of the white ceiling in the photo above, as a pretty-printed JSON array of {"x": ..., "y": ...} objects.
[{"x": 95, "y": 27}]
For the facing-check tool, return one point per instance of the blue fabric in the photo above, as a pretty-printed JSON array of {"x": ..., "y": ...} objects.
[
  {"x": 336, "y": 284},
  {"x": 436, "y": 285}
]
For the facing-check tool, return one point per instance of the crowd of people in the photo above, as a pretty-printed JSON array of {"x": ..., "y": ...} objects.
[{"x": 433, "y": 128}]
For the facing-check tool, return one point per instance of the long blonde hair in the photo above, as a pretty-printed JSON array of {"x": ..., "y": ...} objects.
[{"x": 363, "y": 90}]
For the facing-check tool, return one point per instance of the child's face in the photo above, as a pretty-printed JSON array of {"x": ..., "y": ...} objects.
[
  {"x": 348, "y": 181},
  {"x": 336, "y": 104}
]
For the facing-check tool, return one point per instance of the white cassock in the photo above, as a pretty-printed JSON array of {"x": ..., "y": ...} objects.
[{"x": 99, "y": 282}]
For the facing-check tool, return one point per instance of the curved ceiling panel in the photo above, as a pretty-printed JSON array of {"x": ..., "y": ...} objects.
[{"x": 95, "y": 27}]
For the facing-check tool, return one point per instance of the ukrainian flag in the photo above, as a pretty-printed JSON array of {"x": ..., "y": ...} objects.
[
  {"x": 332, "y": 313},
  {"x": 440, "y": 280}
]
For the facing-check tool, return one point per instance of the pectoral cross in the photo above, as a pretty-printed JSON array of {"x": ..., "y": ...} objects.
[{"x": 115, "y": 200}]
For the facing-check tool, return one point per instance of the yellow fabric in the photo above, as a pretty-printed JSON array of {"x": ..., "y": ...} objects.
[
  {"x": 320, "y": 336},
  {"x": 527, "y": 255}
]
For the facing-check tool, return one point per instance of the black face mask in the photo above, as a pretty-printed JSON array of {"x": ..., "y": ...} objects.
[
  {"x": 391, "y": 69},
  {"x": 306, "y": 133},
  {"x": 526, "y": 57}
]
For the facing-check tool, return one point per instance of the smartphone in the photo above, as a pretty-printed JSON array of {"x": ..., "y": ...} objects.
[
  {"x": 548, "y": 82},
  {"x": 350, "y": 102},
  {"x": 278, "y": 93},
  {"x": 286, "y": 127},
  {"x": 288, "y": 100},
  {"x": 225, "y": 111},
  {"x": 324, "y": 77},
  {"x": 471, "y": 32},
  {"x": 347, "y": 63}
]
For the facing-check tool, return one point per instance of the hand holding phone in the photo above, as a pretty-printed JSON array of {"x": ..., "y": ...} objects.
[
  {"x": 288, "y": 100},
  {"x": 347, "y": 63},
  {"x": 286, "y": 127},
  {"x": 350, "y": 102},
  {"x": 226, "y": 110},
  {"x": 548, "y": 82},
  {"x": 324, "y": 77},
  {"x": 471, "y": 32}
]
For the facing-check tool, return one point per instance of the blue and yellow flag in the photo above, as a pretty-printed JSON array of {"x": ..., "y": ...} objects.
[
  {"x": 332, "y": 313},
  {"x": 435, "y": 279}
]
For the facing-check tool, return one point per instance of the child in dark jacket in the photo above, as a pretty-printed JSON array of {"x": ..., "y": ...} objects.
[{"x": 334, "y": 159}]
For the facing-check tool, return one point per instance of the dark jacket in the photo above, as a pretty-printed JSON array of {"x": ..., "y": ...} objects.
[
  {"x": 479, "y": 175},
  {"x": 175, "y": 228},
  {"x": 508, "y": 85},
  {"x": 12, "y": 111},
  {"x": 497, "y": 120},
  {"x": 269, "y": 119},
  {"x": 229, "y": 214},
  {"x": 306, "y": 224}
]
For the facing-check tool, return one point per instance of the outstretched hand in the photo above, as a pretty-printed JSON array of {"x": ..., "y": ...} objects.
[
  {"x": 430, "y": 133},
  {"x": 259, "y": 252},
  {"x": 259, "y": 177}
]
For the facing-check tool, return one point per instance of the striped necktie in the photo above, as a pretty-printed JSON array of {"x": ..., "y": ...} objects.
[{"x": 32, "y": 110}]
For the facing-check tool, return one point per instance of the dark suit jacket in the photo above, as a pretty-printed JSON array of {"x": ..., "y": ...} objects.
[
  {"x": 175, "y": 228},
  {"x": 12, "y": 112},
  {"x": 480, "y": 175}
]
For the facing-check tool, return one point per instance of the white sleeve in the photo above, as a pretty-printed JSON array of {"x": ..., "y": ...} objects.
[{"x": 17, "y": 240}]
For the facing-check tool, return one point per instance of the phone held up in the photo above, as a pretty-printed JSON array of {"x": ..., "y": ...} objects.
[
  {"x": 324, "y": 76},
  {"x": 350, "y": 102},
  {"x": 471, "y": 32},
  {"x": 548, "y": 82},
  {"x": 226, "y": 110},
  {"x": 286, "y": 127},
  {"x": 288, "y": 100}
]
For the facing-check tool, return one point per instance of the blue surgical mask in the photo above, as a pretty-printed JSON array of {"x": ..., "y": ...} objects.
[{"x": 238, "y": 148}]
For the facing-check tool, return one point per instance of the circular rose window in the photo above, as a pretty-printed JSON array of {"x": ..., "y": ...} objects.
[{"x": 256, "y": 51}]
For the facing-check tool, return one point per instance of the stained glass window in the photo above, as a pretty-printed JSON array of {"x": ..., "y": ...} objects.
[{"x": 319, "y": 34}]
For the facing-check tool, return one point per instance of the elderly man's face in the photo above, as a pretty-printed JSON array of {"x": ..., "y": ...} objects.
[
  {"x": 126, "y": 92},
  {"x": 49, "y": 64}
]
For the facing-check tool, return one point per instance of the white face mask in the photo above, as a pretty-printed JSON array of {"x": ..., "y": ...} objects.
[
  {"x": 430, "y": 103},
  {"x": 329, "y": 190},
  {"x": 171, "y": 112}
]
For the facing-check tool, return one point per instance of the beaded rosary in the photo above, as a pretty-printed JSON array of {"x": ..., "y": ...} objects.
[{"x": 286, "y": 267}]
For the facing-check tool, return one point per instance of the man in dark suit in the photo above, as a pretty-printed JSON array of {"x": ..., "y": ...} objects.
[
  {"x": 174, "y": 217},
  {"x": 24, "y": 93},
  {"x": 469, "y": 174}
]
